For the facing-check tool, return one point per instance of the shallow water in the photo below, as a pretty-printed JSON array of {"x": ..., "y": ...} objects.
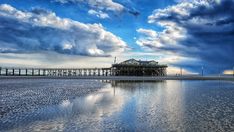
[{"x": 85, "y": 105}]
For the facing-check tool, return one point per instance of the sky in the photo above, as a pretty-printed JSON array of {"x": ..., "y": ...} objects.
[{"x": 188, "y": 34}]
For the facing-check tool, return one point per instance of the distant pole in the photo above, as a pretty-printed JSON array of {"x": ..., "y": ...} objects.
[
  {"x": 181, "y": 71},
  {"x": 115, "y": 61},
  {"x": 202, "y": 70},
  {"x": 0, "y": 71}
]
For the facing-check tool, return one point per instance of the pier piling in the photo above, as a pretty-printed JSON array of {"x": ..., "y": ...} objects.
[{"x": 6, "y": 72}]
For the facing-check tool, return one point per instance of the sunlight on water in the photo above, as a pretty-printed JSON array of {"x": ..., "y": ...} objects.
[{"x": 139, "y": 106}]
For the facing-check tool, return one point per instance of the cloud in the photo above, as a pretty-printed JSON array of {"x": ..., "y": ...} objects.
[
  {"x": 147, "y": 32},
  {"x": 98, "y": 14},
  {"x": 40, "y": 30},
  {"x": 53, "y": 60},
  {"x": 178, "y": 1},
  {"x": 101, "y": 8},
  {"x": 108, "y": 5},
  {"x": 201, "y": 29}
]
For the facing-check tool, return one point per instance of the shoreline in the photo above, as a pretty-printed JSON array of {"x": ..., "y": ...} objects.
[{"x": 125, "y": 78}]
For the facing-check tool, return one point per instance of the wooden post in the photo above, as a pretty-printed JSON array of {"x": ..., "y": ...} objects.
[
  {"x": 89, "y": 72},
  {"x": 43, "y": 72},
  {"x": 48, "y": 72},
  {"x": 26, "y": 72},
  {"x": 6, "y": 71},
  {"x": 0, "y": 71},
  {"x": 75, "y": 72},
  {"x": 13, "y": 71},
  {"x": 94, "y": 73},
  {"x": 32, "y": 72},
  {"x": 19, "y": 72}
]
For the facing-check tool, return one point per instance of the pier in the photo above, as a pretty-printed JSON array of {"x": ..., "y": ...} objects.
[
  {"x": 55, "y": 71},
  {"x": 129, "y": 67}
]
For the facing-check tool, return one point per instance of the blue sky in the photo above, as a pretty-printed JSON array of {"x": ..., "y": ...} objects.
[
  {"x": 90, "y": 33},
  {"x": 122, "y": 24}
]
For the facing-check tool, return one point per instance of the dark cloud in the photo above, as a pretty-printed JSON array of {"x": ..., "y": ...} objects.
[
  {"x": 104, "y": 7},
  {"x": 202, "y": 30},
  {"x": 40, "y": 30},
  {"x": 134, "y": 12}
]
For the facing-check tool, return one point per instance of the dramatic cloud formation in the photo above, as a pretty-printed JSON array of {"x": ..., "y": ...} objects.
[
  {"x": 101, "y": 8},
  {"x": 201, "y": 29},
  {"x": 40, "y": 31}
]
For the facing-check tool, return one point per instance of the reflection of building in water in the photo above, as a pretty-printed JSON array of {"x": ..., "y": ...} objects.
[
  {"x": 133, "y": 83},
  {"x": 134, "y": 67}
]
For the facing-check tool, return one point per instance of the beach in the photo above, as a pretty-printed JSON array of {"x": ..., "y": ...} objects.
[
  {"x": 49, "y": 104},
  {"x": 137, "y": 78}
]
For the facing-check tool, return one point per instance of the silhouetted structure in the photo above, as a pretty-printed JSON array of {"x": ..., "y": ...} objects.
[
  {"x": 130, "y": 67},
  {"x": 134, "y": 67}
]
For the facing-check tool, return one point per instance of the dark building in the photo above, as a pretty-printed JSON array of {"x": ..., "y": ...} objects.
[{"x": 134, "y": 67}]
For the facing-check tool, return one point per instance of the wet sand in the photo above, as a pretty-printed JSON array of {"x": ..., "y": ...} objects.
[
  {"x": 133, "y": 78},
  {"x": 73, "y": 105}
]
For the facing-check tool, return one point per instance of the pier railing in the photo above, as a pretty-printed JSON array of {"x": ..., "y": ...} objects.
[{"x": 55, "y": 71}]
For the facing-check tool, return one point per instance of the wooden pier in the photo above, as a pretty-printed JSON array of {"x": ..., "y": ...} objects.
[
  {"x": 129, "y": 67},
  {"x": 55, "y": 72}
]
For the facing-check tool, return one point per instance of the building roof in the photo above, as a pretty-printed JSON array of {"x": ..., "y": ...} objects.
[
  {"x": 139, "y": 62},
  {"x": 134, "y": 62}
]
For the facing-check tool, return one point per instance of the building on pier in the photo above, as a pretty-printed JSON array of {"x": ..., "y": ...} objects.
[
  {"x": 134, "y": 67},
  {"x": 130, "y": 67}
]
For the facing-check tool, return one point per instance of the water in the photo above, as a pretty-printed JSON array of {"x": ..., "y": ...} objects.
[{"x": 85, "y": 105}]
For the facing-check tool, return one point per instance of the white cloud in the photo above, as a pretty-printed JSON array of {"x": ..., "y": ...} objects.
[
  {"x": 100, "y": 4},
  {"x": 41, "y": 30},
  {"x": 152, "y": 39},
  {"x": 98, "y": 14},
  {"x": 147, "y": 32}
]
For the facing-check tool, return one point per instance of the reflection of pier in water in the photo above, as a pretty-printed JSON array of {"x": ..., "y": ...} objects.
[
  {"x": 55, "y": 72},
  {"x": 131, "y": 83}
]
